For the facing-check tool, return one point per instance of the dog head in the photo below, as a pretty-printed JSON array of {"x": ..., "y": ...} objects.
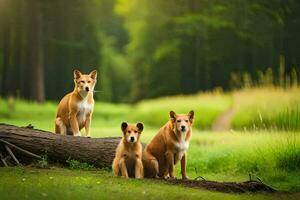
[
  {"x": 182, "y": 123},
  {"x": 85, "y": 83},
  {"x": 131, "y": 132}
]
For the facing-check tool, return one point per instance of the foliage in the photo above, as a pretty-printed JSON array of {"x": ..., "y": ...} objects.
[
  {"x": 43, "y": 163},
  {"x": 145, "y": 49},
  {"x": 200, "y": 43},
  {"x": 75, "y": 164}
]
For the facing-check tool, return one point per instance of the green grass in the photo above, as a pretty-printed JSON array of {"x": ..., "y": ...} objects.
[
  {"x": 207, "y": 107},
  {"x": 154, "y": 113},
  {"x": 32, "y": 183},
  {"x": 273, "y": 156},
  {"x": 267, "y": 108}
]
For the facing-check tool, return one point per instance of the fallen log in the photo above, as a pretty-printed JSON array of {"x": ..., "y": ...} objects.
[
  {"x": 59, "y": 148},
  {"x": 29, "y": 142}
]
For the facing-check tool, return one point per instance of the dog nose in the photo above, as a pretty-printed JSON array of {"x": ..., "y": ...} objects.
[
  {"x": 132, "y": 139},
  {"x": 87, "y": 89},
  {"x": 182, "y": 127}
]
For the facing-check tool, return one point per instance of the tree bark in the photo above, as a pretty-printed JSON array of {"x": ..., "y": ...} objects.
[
  {"x": 99, "y": 152},
  {"x": 37, "y": 51}
]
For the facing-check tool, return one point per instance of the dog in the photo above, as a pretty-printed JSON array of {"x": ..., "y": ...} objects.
[
  {"x": 169, "y": 146},
  {"x": 128, "y": 158},
  {"x": 76, "y": 108}
]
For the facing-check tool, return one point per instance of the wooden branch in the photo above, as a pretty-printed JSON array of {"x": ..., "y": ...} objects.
[
  {"x": 20, "y": 149},
  {"x": 3, "y": 160},
  {"x": 12, "y": 154}
]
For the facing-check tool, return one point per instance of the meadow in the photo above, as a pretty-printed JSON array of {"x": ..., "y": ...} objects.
[{"x": 263, "y": 142}]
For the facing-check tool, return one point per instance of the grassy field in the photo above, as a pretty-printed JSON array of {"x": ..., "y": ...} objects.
[
  {"x": 152, "y": 113},
  {"x": 271, "y": 154},
  {"x": 32, "y": 183}
]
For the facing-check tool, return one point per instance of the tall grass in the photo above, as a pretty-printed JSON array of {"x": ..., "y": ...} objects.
[
  {"x": 268, "y": 78},
  {"x": 289, "y": 119},
  {"x": 267, "y": 108},
  {"x": 273, "y": 157}
]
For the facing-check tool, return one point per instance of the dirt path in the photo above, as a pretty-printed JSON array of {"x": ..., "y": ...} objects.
[{"x": 222, "y": 123}]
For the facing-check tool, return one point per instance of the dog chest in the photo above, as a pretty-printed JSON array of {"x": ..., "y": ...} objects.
[
  {"x": 180, "y": 149},
  {"x": 84, "y": 108},
  {"x": 181, "y": 146}
]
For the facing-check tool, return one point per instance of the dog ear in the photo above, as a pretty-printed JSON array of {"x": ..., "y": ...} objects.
[
  {"x": 77, "y": 74},
  {"x": 191, "y": 116},
  {"x": 93, "y": 74},
  {"x": 124, "y": 126},
  {"x": 173, "y": 116},
  {"x": 140, "y": 126}
]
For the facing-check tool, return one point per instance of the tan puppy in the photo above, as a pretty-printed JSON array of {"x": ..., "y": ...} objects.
[
  {"x": 168, "y": 147},
  {"x": 76, "y": 108},
  {"x": 128, "y": 159}
]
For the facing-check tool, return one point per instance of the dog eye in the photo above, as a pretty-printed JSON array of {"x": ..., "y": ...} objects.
[
  {"x": 186, "y": 120},
  {"x": 135, "y": 131},
  {"x": 89, "y": 81},
  {"x": 81, "y": 81},
  {"x": 128, "y": 131},
  {"x": 178, "y": 121}
]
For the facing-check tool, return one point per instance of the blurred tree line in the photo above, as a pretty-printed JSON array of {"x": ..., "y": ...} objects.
[{"x": 142, "y": 49}]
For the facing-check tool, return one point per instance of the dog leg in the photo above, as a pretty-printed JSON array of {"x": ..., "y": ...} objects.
[
  {"x": 87, "y": 125},
  {"x": 116, "y": 168},
  {"x": 60, "y": 127},
  {"x": 151, "y": 166},
  {"x": 74, "y": 124},
  {"x": 170, "y": 164},
  {"x": 183, "y": 166},
  {"x": 122, "y": 166},
  {"x": 139, "y": 169}
]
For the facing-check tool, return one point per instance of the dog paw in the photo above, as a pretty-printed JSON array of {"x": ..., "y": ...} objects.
[
  {"x": 77, "y": 134},
  {"x": 185, "y": 178},
  {"x": 169, "y": 177},
  {"x": 166, "y": 177}
]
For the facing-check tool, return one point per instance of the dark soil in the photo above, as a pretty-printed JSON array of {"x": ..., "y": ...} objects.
[{"x": 228, "y": 187}]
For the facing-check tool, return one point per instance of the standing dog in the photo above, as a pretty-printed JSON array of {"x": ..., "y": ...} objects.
[
  {"x": 169, "y": 146},
  {"x": 128, "y": 159},
  {"x": 76, "y": 108}
]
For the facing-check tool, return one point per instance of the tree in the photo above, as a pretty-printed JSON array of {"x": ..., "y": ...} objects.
[{"x": 37, "y": 51}]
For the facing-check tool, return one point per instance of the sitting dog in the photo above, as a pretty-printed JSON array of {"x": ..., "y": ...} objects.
[
  {"x": 128, "y": 159},
  {"x": 75, "y": 109},
  {"x": 168, "y": 147}
]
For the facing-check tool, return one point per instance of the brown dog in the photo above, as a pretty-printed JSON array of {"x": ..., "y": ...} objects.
[
  {"x": 168, "y": 147},
  {"x": 128, "y": 159},
  {"x": 75, "y": 109}
]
